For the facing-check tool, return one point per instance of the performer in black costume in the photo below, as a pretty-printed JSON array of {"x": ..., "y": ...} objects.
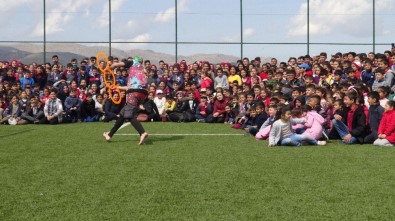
[{"x": 134, "y": 97}]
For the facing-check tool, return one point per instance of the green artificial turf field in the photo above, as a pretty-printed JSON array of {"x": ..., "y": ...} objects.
[{"x": 68, "y": 172}]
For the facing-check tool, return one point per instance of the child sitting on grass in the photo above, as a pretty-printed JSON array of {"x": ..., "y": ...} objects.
[
  {"x": 263, "y": 132},
  {"x": 257, "y": 120},
  {"x": 353, "y": 129},
  {"x": 386, "y": 131},
  {"x": 314, "y": 123},
  {"x": 169, "y": 107},
  {"x": 230, "y": 114},
  {"x": 374, "y": 116},
  {"x": 281, "y": 133}
]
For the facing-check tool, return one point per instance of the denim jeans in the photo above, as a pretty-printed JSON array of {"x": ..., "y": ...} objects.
[
  {"x": 342, "y": 130},
  {"x": 297, "y": 139},
  {"x": 253, "y": 130},
  {"x": 91, "y": 118},
  {"x": 300, "y": 130}
]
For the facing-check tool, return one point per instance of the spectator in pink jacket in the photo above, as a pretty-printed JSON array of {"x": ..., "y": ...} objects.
[{"x": 313, "y": 124}]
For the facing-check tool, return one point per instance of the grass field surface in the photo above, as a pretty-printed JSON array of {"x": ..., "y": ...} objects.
[{"x": 68, "y": 172}]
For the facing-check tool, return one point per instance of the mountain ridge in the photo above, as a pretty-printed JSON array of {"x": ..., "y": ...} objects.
[{"x": 28, "y": 53}]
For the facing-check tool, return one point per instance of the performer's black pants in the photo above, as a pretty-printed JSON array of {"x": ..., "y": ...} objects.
[{"x": 135, "y": 123}]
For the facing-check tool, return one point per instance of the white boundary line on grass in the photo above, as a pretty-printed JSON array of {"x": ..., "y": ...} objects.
[{"x": 183, "y": 134}]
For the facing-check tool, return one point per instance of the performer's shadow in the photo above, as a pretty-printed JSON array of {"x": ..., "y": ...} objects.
[
  {"x": 156, "y": 139},
  {"x": 153, "y": 139},
  {"x": 16, "y": 133}
]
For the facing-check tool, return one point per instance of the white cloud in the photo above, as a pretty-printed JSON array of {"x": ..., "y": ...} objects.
[
  {"x": 248, "y": 32},
  {"x": 142, "y": 37},
  {"x": 104, "y": 19},
  {"x": 139, "y": 38},
  {"x": 335, "y": 16},
  {"x": 61, "y": 15},
  {"x": 169, "y": 14}
]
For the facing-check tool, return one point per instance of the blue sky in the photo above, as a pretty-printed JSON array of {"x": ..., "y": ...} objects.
[{"x": 273, "y": 21}]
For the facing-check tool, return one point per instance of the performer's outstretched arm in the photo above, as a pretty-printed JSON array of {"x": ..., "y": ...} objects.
[{"x": 118, "y": 64}]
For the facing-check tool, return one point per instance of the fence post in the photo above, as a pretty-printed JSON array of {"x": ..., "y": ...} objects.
[
  {"x": 308, "y": 27},
  {"x": 45, "y": 35},
  {"x": 241, "y": 29},
  {"x": 176, "y": 19},
  {"x": 109, "y": 26},
  {"x": 374, "y": 26}
]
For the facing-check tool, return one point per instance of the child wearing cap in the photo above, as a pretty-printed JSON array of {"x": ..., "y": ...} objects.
[{"x": 160, "y": 101}]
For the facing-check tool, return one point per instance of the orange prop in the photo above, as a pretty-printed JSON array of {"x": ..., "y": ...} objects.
[{"x": 110, "y": 87}]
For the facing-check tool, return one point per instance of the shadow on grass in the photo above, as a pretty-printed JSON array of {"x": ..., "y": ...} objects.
[
  {"x": 16, "y": 133},
  {"x": 153, "y": 139}
]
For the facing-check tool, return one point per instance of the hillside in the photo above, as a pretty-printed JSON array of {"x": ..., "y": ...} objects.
[{"x": 28, "y": 53}]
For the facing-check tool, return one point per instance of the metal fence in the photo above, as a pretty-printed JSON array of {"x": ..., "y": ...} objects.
[{"x": 245, "y": 16}]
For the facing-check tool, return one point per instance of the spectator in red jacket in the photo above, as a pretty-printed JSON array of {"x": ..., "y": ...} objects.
[
  {"x": 386, "y": 132},
  {"x": 218, "y": 115}
]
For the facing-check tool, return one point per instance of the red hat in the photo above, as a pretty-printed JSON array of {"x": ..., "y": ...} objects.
[{"x": 357, "y": 64}]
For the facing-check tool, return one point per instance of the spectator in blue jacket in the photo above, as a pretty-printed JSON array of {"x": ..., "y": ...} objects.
[{"x": 72, "y": 106}]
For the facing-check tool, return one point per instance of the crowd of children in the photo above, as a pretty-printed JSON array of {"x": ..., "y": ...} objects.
[{"x": 304, "y": 101}]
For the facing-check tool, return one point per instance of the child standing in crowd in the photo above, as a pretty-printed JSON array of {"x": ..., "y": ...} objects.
[
  {"x": 27, "y": 81},
  {"x": 383, "y": 93},
  {"x": 380, "y": 81},
  {"x": 386, "y": 130}
]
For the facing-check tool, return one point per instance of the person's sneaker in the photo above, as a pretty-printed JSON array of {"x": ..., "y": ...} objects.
[
  {"x": 36, "y": 122},
  {"x": 321, "y": 143}
]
